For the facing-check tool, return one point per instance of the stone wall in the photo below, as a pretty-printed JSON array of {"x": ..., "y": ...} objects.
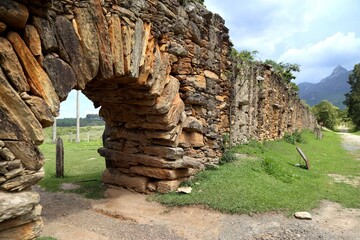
[
  {"x": 160, "y": 73},
  {"x": 263, "y": 107}
]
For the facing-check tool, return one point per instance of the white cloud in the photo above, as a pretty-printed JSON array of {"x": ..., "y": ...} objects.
[{"x": 320, "y": 57}]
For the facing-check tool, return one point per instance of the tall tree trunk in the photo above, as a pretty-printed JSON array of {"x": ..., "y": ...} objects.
[{"x": 77, "y": 117}]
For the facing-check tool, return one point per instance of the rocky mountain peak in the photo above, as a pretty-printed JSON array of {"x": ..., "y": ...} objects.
[{"x": 339, "y": 69}]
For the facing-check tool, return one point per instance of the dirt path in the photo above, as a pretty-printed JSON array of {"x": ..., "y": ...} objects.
[{"x": 128, "y": 215}]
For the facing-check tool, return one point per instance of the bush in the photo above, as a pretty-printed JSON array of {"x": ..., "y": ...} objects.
[
  {"x": 227, "y": 157},
  {"x": 294, "y": 137}
]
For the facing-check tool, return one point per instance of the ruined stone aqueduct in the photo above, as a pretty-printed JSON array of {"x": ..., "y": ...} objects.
[{"x": 160, "y": 72}]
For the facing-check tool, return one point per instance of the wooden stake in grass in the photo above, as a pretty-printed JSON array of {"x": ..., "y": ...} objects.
[
  {"x": 59, "y": 158},
  {"x": 307, "y": 163}
]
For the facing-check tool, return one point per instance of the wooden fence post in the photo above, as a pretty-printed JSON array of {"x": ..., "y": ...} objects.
[{"x": 59, "y": 158}]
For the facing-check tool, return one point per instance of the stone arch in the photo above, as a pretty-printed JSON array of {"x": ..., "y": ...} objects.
[
  {"x": 156, "y": 88},
  {"x": 159, "y": 71}
]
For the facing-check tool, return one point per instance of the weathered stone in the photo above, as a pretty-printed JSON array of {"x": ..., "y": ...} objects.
[
  {"x": 123, "y": 11},
  {"x": 159, "y": 77},
  {"x": 2, "y": 27},
  {"x": 178, "y": 49},
  {"x": 139, "y": 47},
  {"x": 186, "y": 190},
  {"x": 2, "y": 144},
  {"x": 14, "y": 164},
  {"x": 148, "y": 59},
  {"x": 13, "y": 14},
  {"x": 40, "y": 109},
  {"x": 23, "y": 181},
  {"x": 136, "y": 159},
  {"x": 170, "y": 135},
  {"x": 18, "y": 121},
  {"x": 6, "y": 154},
  {"x": 34, "y": 214},
  {"x": 61, "y": 74},
  {"x": 195, "y": 33},
  {"x": 12, "y": 174},
  {"x": 106, "y": 59},
  {"x": 17, "y": 204},
  {"x": 168, "y": 186},
  {"x": 36, "y": 74},
  {"x": 70, "y": 49},
  {"x": 32, "y": 40},
  {"x": 127, "y": 33},
  {"x": 31, "y": 230},
  {"x": 169, "y": 120},
  {"x": 46, "y": 32},
  {"x": 196, "y": 99},
  {"x": 116, "y": 45},
  {"x": 198, "y": 81},
  {"x": 210, "y": 74},
  {"x": 12, "y": 67},
  {"x": 191, "y": 124},
  {"x": 89, "y": 38},
  {"x": 160, "y": 173},
  {"x": 163, "y": 103},
  {"x": 303, "y": 215},
  {"x": 191, "y": 139},
  {"x": 112, "y": 176},
  {"x": 165, "y": 152}
]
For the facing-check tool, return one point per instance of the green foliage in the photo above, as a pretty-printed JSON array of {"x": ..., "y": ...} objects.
[
  {"x": 227, "y": 157},
  {"x": 46, "y": 238},
  {"x": 270, "y": 181},
  {"x": 352, "y": 100},
  {"x": 326, "y": 113},
  {"x": 244, "y": 56},
  {"x": 90, "y": 120},
  {"x": 285, "y": 70},
  {"x": 293, "y": 138}
]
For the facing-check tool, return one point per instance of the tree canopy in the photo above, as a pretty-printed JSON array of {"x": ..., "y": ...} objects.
[
  {"x": 326, "y": 113},
  {"x": 285, "y": 70},
  {"x": 352, "y": 100}
]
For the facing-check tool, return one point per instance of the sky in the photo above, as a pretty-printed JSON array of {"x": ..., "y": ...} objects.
[{"x": 316, "y": 34}]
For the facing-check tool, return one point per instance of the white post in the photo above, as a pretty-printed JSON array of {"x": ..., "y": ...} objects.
[
  {"x": 77, "y": 117},
  {"x": 54, "y": 131}
]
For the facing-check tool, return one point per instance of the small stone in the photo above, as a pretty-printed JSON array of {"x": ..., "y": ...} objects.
[
  {"x": 186, "y": 190},
  {"x": 303, "y": 215}
]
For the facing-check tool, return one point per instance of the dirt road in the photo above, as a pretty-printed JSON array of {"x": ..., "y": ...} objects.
[{"x": 128, "y": 215}]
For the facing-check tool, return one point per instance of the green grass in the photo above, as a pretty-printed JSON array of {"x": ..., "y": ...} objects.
[
  {"x": 272, "y": 182},
  {"x": 82, "y": 165},
  {"x": 46, "y": 238},
  {"x": 68, "y": 134}
]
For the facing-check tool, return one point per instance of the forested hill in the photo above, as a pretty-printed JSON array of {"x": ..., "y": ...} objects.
[
  {"x": 89, "y": 120},
  {"x": 331, "y": 88}
]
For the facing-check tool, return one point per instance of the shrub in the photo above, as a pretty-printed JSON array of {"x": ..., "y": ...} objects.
[
  {"x": 294, "y": 137},
  {"x": 228, "y": 156}
]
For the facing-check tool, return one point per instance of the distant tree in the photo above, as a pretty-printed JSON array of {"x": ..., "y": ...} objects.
[
  {"x": 352, "y": 100},
  {"x": 285, "y": 70},
  {"x": 93, "y": 117},
  {"x": 326, "y": 113},
  {"x": 244, "y": 56}
]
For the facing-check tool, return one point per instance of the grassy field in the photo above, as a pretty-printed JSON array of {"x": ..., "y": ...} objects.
[
  {"x": 268, "y": 181},
  {"x": 271, "y": 181},
  {"x": 82, "y": 166},
  {"x": 68, "y": 134}
]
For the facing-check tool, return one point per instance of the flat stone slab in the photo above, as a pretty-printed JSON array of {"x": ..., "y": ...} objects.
[{"x": 303, "y": 215}]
